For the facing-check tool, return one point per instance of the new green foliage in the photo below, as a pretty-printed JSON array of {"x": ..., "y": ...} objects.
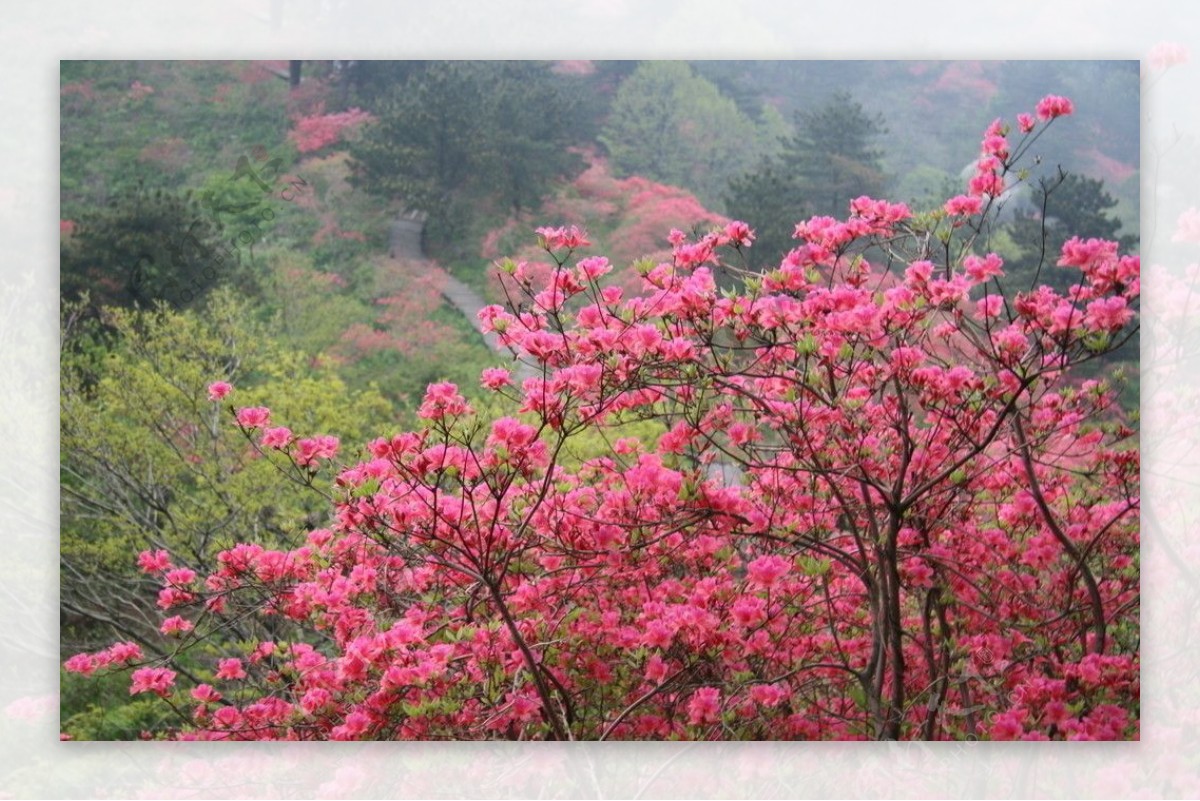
[
  {"x": 673, "y": 126},
  {"x": 148, "y": 461}
]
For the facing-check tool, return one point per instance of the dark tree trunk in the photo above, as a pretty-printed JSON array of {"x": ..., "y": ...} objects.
[{"x": 294, "y": 73}]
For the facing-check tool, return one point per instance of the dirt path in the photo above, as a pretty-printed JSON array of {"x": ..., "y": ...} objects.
[{"x": 404, "y": 242}]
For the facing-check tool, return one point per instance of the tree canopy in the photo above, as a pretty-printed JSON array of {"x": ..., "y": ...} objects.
[
  {"x": 829, "y": 160},
  {"x": 671, "y": 125},
  {"x": 456, "y": 131}
]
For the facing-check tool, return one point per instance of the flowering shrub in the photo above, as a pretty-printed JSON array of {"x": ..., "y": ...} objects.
[
  {"x": 319, "y": 130},
  {"x": 628, "y": 217},
  {"x": 139, "y": 91},
  {"x": 932, "y": 532}
]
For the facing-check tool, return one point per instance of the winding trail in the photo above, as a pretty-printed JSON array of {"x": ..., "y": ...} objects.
[{"x": 404, "y": 242}]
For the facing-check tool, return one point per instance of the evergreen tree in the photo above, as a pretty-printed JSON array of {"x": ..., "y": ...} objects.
[
  {"x": 144, "y": 246},
  {"x": 459, "y": 132},
  {"x": 832, "y": 155},
  {"x": 1065, "y": 206},
  {"x": 829, "y": 161}
]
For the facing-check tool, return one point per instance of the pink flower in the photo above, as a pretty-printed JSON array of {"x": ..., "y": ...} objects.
[
  {"x": 1007, "y": 726},
  {"x": 964, "y": 205},
  {"x": 989, "y": 307},
  {"x": 1026, "y": 122},
  {"x": 139, "y": 90},
  {"x": 739, "y": 233},
  {"x": 749, "y": 610},
  {"x": 568, "y": 238},
  {"x": 227, "y": 716},
  {"x": 918, "y": 573},
  {"x": 1055, "y": 712},
  {"x": 1052, "y": 106},
  {"x": 171, "y": 596},
  {"x": 154, "y": 562},
  {"x": 175, "y": 625},
  {"x": 83, "y": 664},
  {"x": 995, "y": 146},
  {"x": 594, "y": 267},
  {"x": 442, "y": 399},
  {"x": 767, "y": 570},
  {"x": 218, "y": 390},
  {"x": 276, "y": 437},
  {"x": 320, "y": 130},
  {"x": 981, "y": 269},
  {"x": 180, "y": 576},
  {"x": 495, "y": 377},
  {"x": 918, "y": 273},
  {"x": 152, "y": 680},
  {"x": 315, "y": 699},
  {"x": 123, "y": 652},
  {"x": 253, "y": 416},
  {"x": 230, "y": 669},
  {"x": 356, "y": 723},
  {"x": 656, "y": 669},
  {"x": 769, "y": 695},
  {"x": 986, "y": 181},
  {"x": 320, "y": 447},
  {"x": 704, "y": 706},
  {"x": 205, "y": 694},
  {"x": 1108, "y": 314}
]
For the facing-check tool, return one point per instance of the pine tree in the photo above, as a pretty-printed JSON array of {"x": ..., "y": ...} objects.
[{"x": 829, "y": 161}]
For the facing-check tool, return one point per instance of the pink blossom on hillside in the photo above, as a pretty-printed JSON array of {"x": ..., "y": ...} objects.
[
  {"x": 319, "y": 131},
  {"x": 140, "y": 91}
]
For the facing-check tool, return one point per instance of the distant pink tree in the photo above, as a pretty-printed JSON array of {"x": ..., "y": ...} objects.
[{"x": 317, "y": 131}]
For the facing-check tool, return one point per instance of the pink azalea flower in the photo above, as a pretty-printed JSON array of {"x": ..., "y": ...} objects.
[
  {"x": 1052, "y": 106},
  {"x": 495, "y": 378},
  {"x": 320, "y": 447},
  {"x": 154, "y": 561},
  {"x": 767, "y": 570},
  {"x": 964, "y": 205},
  {"x": 205, "y": 694},
  {"x": 253, "y": 416},
  {"x": 704, "y": 706},
  {"x": 230, "y": 669},
  {"x": 276, "y": 437},
  {"x": 218, "y": 390},
  {"x": 152, "y": 680}
]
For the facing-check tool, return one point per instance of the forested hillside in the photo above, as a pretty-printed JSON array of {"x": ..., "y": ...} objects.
[{"x": 230, "y": 227}]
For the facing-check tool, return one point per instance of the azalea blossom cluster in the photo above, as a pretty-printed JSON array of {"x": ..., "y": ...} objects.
[
  {"x": 932, "y": 532},
  {"x": 319, "y": 130}
]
